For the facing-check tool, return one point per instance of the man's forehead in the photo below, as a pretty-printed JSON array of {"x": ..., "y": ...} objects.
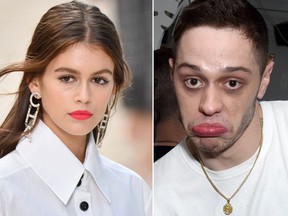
[{"x": 218, "y": 45}]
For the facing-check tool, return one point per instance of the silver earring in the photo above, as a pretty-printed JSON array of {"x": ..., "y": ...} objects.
[
  {"x": 102, "y": 127},
  {"x": 32, "y": 114}
]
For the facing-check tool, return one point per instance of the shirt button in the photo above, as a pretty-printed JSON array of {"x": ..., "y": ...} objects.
[{"x": 84, "y": 206}]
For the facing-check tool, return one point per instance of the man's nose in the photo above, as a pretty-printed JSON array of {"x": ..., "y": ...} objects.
[{"x": 211, "y": 101}]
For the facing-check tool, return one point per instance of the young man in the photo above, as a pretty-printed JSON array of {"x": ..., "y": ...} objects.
[{"x": 235, "y": 157}]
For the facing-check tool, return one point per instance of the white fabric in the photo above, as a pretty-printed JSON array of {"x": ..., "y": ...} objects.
[
  {"x": 181, "y": 187},
  {"x": 40, "y": 179}
]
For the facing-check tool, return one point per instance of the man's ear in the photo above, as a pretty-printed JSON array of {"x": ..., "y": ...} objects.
[
  {"x": 171, "y": 63},
  {"x": 34, "y": 85},
  {"x": 265, "y": 80}
]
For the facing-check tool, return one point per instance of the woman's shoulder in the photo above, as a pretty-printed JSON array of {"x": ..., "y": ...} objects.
[
  {"x": 128, "y": 183},
  {"x": 123, "y": 180},
  {"x": 121, "y": 175},
  {"x": 115, "y": 168},
  {"x": 11, "y": 164}
]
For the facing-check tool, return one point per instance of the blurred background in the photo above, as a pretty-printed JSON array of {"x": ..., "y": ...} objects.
[{"x": 129, "y": 136}]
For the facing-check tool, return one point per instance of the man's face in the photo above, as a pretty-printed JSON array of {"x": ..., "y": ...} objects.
[{"x": 217, "y": 79}]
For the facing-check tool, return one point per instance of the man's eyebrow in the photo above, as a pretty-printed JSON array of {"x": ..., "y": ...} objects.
[
  {"x": 238, "y": 68},
  {"x": 73, "y": 71},
  {"x": 187, "y": 65},
  {"x": 224, "y": 69}
]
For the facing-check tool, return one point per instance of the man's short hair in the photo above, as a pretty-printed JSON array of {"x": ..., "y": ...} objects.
[{"x": 235, "y": 14}]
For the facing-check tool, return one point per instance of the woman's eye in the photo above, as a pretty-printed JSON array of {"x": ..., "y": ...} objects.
[
  {"x": 193, "y": 83},
  {"x": 233, "y": 84},
  {"x": 100, "y": 80},
  {"x": 67, "y": 79}
]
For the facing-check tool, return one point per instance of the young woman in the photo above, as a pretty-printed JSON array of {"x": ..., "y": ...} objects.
[{"x": 74, "y": 73}]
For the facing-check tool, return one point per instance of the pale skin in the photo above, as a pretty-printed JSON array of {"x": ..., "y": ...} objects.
[
  {"x": 80, "y": 78},
  {"x": 217, "y": 81}
]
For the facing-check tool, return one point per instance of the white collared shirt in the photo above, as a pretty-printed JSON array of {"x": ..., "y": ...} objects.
[{"x": 40, "y": 178}]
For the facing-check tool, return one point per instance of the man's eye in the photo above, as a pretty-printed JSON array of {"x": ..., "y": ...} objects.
[
  {"x": 193, "y": 83},
  {"x": 233, "y": 84}
]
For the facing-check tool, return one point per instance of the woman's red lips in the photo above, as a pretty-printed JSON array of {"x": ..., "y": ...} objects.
[
  {"x": 81, "y": 114},
  {"x": 209, "y": 130}
]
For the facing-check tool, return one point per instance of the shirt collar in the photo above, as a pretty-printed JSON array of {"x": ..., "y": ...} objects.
[
  {"x": 94, "y": 165},
  {"x": 57, "y": 166}
]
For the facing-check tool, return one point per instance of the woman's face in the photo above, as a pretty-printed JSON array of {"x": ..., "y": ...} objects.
[{"x": 75, "y": 89}]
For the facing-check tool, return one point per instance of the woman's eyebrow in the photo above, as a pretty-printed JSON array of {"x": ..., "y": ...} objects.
[{"x": 74, "y": 71}]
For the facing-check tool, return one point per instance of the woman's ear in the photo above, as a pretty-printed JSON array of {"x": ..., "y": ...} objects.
[
  {"x": 265, "y": 80},
  {"x": 34, "y": 85}
]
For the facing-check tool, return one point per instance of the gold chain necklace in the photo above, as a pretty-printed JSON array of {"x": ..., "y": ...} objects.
[{"x": 227, "y": 208}]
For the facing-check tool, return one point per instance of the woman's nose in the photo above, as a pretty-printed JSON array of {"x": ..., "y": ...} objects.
[{"x": 83, "y": 94}]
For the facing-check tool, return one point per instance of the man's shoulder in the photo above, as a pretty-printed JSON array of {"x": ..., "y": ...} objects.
[
  {"x": 168, "y": 158},
  {"x": 167, "y": 167},
  {"x": 277, "y": 109},
  {"x": 275, "y": 105}
]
